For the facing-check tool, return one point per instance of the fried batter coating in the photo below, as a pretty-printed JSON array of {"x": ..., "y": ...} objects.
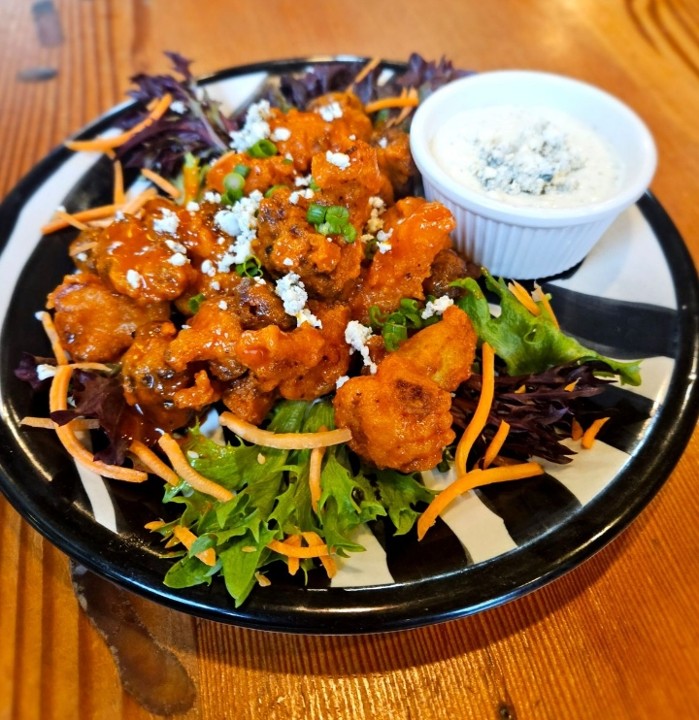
[
  {"x": 257, "y": 305},
  {"x": 448, "y": 266},
  {"x": 274, "y": 356},
  {"x": 399, "y": 418},
  {"x": 247, "y": 400},
  {"x": 326, "y": 124},
  {"x": 150, "y": 382},
  {"x": 287, "y": 242},
  {"x": 263, "y": 173},
  {"x": 210, "y": 337},
  {"x": 350, "y": 180},
  {"x": 333, "y": 360},
  {"x": 395, "y": 158},
  {"x": 94, "y": 323},
  {"x": 418, "y": 230},
  {"x": 444, "y": 351},
  {"x": 139, "y": 258}
]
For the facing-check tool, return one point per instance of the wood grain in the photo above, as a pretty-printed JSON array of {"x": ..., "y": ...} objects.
[{"x": 615, "y": 638}]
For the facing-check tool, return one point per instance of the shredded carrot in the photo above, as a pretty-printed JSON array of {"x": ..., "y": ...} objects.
[
  {"x": 571, "y": 386},
  {"x": 119, "y": 192},
  {"x": 469, "y": 481},
  {"x": 68, "y": 219},
  {"x": 79, "y": 217},
  {"x": 179, "y": 463},
  {"x": 543, "y": 298},
  {"x": 316, "y": 551},
  {"x": 161, "y": 182},
  {"x": 398, "y": 119},
  {"x": 588, "y": 437},
  {"x": 314, "y": 540},
  {"x": 155, "y": 525},
  {"x": 58, "y": 400},
  {"x": 521, "y": 390},
  {"x": 132, "y": 206},
  {"x": 373, "y": 63},
  {"x": 151, "y": 461},
  {"x": 81, "y": 247},
  {"x": 283, "y": 441},
  {"x": 396, "y": 101},
  {"x": 314, "y": 474},
  {"x": 48, "y": 424},
  {"x": 293, "y": 563},
  {"x": 51, "y": 333},
  {"x": 496, "y": 443},
  {"x": 480, "y": 417},
  {"x": 188, "y": 538},
  {"x": 190, "y": 181},
  {"x": 576, "y": 431},
  {"x": 106, "y": 144},
  {"x": 524, "y": 297}
]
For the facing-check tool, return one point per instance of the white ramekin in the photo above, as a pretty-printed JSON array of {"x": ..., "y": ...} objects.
[{"x": 526, "y": 242}]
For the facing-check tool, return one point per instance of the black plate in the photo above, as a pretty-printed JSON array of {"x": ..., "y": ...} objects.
[{"x": 635, "y": 296}]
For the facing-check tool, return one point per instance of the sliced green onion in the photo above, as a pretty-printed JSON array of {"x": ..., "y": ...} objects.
[
  {"x": 241, "y": 170},
  {"x": 337, "y": 213},
  {"x": 376, "y": 319},
  {"x": 349, "y": 232},
  {"x": 194, "y": 303},
  {"x": 316, "y": 213},
  {"x": 250, "y": 268},
  {"x": 262, "y": 149},
  {"x": 233, "y": 182},
  {"x": 393, "y": 335},
  {"x": 326, "y": 228}
]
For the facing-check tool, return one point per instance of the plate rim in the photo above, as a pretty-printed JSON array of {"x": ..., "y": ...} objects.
[{"x": 367, "y": 610}]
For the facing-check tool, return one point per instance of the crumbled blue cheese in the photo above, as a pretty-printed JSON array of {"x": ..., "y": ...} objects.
[
  {"x": 222, "y": 305},
  {"x": 239, "y": 221},
  {"x": 375, "y": 221},
  {"x": 331, "y": 111},
  {"x": 176, "y": 247},
  {"x": 382, "y": 241},
  {"x": 167, "y": 223},
  {"x": 293, "y": 294},
  {"x": 178, "y": 106},
  {"x": 192, "y": 207},
  {"x": 254, "y": 129},
  {"x": 305, "y": 193},
  {"x": 357, "y": 336},
  {"x": 341, "y": 381},
  {"x": 213, "y": 197},
  {"x": 338, "y": 159},
  {"x": 178, "y": 259},
  {"x": 280, "y": 134},
  {"x": 207, "y": 268},
  {"x": 436, "y": 307},
  {"x": 135, "y": 279},
  {"x": 303, "y": 180}
]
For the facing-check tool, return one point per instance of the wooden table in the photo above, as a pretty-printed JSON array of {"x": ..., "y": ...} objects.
[{"x": 616, "y": 638}]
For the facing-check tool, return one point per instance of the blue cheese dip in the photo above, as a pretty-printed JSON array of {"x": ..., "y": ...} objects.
[{"x": 527, "y": 156}]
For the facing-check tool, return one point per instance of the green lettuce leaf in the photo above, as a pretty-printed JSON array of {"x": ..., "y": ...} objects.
[
  {"x": 399, "y": 494},
  {"x": 347, "y": 500},
  {"x": 528, "y": 343}
]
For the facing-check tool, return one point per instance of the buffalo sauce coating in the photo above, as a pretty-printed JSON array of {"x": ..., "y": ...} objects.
[
  {"x": 192, "y": 323},
  {"x": 400, "y": 417}
]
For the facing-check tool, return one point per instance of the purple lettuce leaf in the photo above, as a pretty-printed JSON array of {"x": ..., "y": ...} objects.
[{"x": 540, "y": 417}]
